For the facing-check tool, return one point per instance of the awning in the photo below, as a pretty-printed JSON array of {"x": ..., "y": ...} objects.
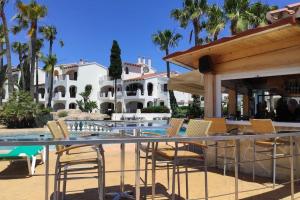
[
  {"x": 191, "y": 82},
  {"x": 248, "y": 44}
]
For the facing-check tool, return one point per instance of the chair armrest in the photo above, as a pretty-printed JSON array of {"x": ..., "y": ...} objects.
[
  {"x": 196, "y": 144},
  {"x": 72, "y": 147}
]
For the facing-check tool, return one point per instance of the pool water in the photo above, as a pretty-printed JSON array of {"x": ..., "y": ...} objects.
[{"x": 163, "y": 131}]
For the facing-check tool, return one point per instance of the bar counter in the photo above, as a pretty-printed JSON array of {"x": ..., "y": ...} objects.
[{"x": 262, "y": 168}]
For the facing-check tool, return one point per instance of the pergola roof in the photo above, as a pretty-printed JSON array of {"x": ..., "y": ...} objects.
[
  {"x": 191, "y": 82},
  {"x": 280, "y": 35}
]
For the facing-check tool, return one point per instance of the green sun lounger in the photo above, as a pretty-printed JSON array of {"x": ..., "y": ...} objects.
[{"x": 25, "y": 152}]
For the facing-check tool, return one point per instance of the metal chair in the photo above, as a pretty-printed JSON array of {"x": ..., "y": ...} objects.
[
  {"x": 175, "y": 125},
  {"x": 178, "y": 155},
  {"x": 219, "y": 127},
  {"x": 64, "y": 161},
  {"x": 265, "y": 126}
]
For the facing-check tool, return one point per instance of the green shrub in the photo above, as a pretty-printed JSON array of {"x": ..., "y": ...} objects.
[
  {"x": 156, "y": 109},
  {"x": 181, "y": 112},
  {"x": 62, "y": 114},
  {"x": 22, "y": 112}
]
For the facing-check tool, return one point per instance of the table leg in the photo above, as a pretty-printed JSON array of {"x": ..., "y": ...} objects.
[
  {"x": 292, "y": 166},
  {"x": 153, "y": 170},
  {"x": 137, "y": 167},
  {"x": 47, "y": 172},
  {"x": 122, "y": 178},
  {"x": 236, "y": 170}
]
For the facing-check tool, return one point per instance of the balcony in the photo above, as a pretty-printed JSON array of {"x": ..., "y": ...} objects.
[
  {"x": 134, "y": 94},
  {"x": 109, "y": 95},
  {"x": 59, "y": 96},
  {"x": 64, "y": 80}
]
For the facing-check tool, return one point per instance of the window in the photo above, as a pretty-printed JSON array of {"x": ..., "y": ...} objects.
[
  {"x": 126, "y": 70},
  {"x": 162, "y": 103}
]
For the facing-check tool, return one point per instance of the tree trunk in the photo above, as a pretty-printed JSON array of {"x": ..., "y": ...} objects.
[
  {"x": 32, "y": 58},
  {"x": 233, "y": 27},
  {"x": 37, "y": 80},
  {"x": 196, "y": 32},
  {"x": 51, "y": 77},
  {"x": 115, "y": 107},
  {"x": 1, "y": 68},
  {"x": 22, "y": 71},
  {"x": 8, "y": 53},
  {"x": 173, "y": 101}
]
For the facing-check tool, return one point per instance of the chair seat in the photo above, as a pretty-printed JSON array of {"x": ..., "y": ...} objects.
[
  {"x": 270, "y": 143},
  {"x": 75, "y": 159},
  {"x": 144, "y": 148},
  {"x": 170, "y": 154}
]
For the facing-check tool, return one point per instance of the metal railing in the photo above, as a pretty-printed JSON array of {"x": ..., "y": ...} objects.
[{"x": 137, "y": 139}]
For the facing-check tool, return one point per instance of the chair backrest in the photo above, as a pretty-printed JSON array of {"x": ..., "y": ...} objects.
[
  {"x": 175, "y": 125},
  {"x": 56, "y": 133},
  {"x": 262, "y": 126},
  {"x": 218, "y": 126},
  {"x": 198, "y": 127},
  {"x": 62, "y": 124}
]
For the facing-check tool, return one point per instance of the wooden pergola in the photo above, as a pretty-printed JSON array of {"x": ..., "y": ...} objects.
[{"x": 258, "y": 51}]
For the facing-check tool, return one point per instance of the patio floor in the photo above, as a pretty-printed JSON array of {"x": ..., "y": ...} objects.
[{"x": 15, "y": 184}]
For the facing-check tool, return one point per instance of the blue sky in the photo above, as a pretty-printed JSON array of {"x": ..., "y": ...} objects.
[{"x": 88, "y": 27}]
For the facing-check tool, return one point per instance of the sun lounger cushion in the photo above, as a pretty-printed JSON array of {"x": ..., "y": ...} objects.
[{"x": 22, "y": 151}]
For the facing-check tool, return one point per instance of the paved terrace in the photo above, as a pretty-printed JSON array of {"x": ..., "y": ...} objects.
[{"x": 15, "y": 184}]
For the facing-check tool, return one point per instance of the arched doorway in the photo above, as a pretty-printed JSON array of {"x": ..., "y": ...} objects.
[
  {"x": 106, "y": 90},
  {"x": 106, "y": 108},
  {"x": 149, "y": 104},
  {"x": 59, "y": 106},
  {"x": 72, "y": 106},
  {"x": 132, "y": 106},
  {"x": 73, "y": 74},
  {"x": 60, "y": 89},
  {"x": 150, "y": 89},
  {"x": 73, "y": 90},
  {"x": 133, "y": 88}
]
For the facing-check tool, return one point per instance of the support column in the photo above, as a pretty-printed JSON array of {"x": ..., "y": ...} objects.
[
  {"x": 246, "y": 105},
  {"x": 209, "y": 95},
  {"x": 232, "y": 102}
]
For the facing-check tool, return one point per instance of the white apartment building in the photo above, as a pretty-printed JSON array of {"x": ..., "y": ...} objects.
[
  {"x": 71, "y": 79},
  {"x": 17, "y": 76},
  {"x": 140, "y": 86}
]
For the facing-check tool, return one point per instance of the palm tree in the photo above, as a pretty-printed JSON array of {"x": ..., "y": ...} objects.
[
  {"x": 7, "y": 45},
  {"x": 28, "y": 17},
  {"x": 258, "y": 12},
  {"x": 3, "y": 67},
  {"x": 165, "y": 40},
  {"x": 49, "y": 62},
  {"x": 191, "y": 12},
  {"x": 237, "y": 12},
  {"x": 39, "y": 54},
  {"x": 49, "y": 33},
  {"x": 216, "y": 21},
  {"x": 21, "y": 49}
]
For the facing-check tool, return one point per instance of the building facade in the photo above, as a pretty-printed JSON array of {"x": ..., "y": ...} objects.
[{"x": 139, "y": 87}]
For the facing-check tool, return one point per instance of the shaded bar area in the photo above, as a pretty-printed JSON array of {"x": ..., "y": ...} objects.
[{"x": 252, "y": 75}]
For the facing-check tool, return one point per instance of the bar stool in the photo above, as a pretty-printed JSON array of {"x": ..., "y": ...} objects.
[
  {"x": 265, "y": 126},
  {"x": 219, "y": 127},
  {"x": 179, "y": 155}
]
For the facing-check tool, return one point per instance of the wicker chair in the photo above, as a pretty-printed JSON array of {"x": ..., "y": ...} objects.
[
  {"x": 219, "y": 127},
  {"x": 64, "y": 161},
  {"x": 269, "y": 146},
  {"x": 179, "y": 155},
  {"x": 173, "y": 130}
]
